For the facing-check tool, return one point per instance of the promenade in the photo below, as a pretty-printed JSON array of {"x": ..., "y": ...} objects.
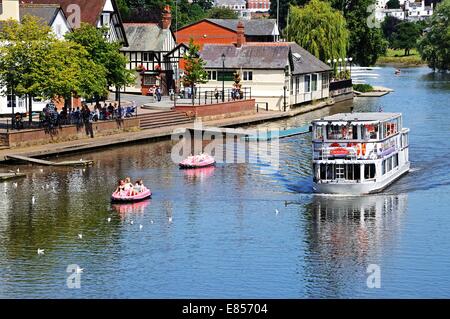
[{"x": 85, "y": 144}]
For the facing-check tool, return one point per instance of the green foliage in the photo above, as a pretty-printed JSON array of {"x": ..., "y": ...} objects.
[
  {"x": 194, "y": 70},
  {"x": 204, "y": 4},
  {"x": 393, "y": 4},
  {"x": 283, "y": 10},
  {"x": 23, "y": 44},
  {"x": 68, "y": 69},
  {"x": 389, "y": 27},
  {"x": 434, "y": 46},
  {"x": 406, "y": 36},
  {"x": 222, "y": 13},
  {"x": 103, "y": 53},
  {"x": 124, "y": 9},
  {"x": 320, "y": 29},
  {"x": 366, "y": 41},
  {"x": 363, "y": 88}
]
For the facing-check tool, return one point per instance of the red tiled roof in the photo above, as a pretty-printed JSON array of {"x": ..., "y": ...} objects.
[{"x": 90, "y": 9}]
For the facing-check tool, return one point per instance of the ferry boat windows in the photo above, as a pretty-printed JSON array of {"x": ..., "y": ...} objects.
[
  {"x": 318, "y": 132},
  {"x": 369, "y": 171},
  {"x": 331, "y": 172},
  {"x": 390, "y": 127},
  {"x": 342, "y": 132},
  {"x": 395, "y": 160},
  {"x": 370, "y": 132}
]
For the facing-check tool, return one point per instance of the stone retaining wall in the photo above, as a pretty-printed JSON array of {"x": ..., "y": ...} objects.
[
  {"x": 23, "y": 138},
  {"x": 219, "y": 110}
]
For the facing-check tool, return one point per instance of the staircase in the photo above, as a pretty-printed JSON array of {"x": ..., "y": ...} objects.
[{"x": 164, "y": 118}]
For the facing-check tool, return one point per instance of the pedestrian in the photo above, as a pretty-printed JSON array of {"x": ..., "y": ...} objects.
[
  {"x": 216, "y": 93},
  {"x": 158, "y": 93}
]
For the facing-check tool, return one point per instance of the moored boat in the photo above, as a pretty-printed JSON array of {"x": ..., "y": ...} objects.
[
  {"x": 198, "y": 161},
  {"x": 125, "y": 197},
  {"x": 359, "y": 153}
]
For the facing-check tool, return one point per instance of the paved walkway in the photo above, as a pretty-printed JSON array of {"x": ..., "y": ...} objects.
[{"x": 162, "y": 132}]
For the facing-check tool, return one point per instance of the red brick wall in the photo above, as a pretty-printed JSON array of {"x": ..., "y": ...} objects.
[
  {"x": 225, "y": 108},
  {"x": 213, "y": 32},
  {"x": 70, "y": 132}
]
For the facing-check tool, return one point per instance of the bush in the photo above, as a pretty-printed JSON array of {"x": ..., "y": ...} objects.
[{"x": 363, "y": 88}]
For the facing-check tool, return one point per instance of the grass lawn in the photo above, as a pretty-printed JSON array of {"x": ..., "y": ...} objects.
[{"x": 398, "y": 57}]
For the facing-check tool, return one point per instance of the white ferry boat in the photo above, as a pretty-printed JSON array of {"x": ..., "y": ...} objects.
[{"x": 359, "y": 153}]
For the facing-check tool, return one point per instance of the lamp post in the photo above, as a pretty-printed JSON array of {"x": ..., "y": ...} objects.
[
  {"x": 350, "y": 60},
  {"x": 12, "y": 98},
  {"x": 334, "y": 67},
  {"x": 223, "y": 77}
]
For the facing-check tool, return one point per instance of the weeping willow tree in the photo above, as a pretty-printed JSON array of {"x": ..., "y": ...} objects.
[{"x": 318, "y": 28}]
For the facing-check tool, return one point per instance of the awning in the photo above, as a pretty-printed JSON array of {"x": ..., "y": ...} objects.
[{"x": 365, "y": 123}]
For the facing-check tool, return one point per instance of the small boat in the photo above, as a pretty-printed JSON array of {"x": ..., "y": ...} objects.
[
  {"x": 198, "y": 161},
  {"x": 397, "y": 72},
  {"x": 121, "y": 197}
]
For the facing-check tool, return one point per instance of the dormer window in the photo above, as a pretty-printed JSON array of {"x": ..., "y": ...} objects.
[{"x": 106, "y": 19}]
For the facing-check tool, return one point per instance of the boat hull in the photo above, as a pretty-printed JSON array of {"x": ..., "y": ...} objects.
[
  {"x": 369, "y": 187},
  {"x": 117, "y": 198},
  {"x": 187, "y": 165}
]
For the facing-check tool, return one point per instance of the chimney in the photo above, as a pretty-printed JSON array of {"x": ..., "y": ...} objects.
[
  {"x": 10, "y": 10},
  {"x": 166, "y": 18},
  {"x": 240, "y": 34}
]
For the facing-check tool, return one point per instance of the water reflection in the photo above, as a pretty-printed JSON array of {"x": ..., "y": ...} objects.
[
  {"x": 131, "y": 209},
  {"x": 199, "y": 174},
  {"x": 344, "y": 236}
]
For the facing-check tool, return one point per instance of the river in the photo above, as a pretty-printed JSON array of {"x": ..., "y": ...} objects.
[{"x": 233, "y": 232}]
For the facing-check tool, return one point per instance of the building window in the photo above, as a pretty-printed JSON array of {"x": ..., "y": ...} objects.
[
  {"x": 307, "y": 83},
  {"x": 149, "y": 79},
  {"x": 248, "y": 75},
  {"x": 225, "y": 75},
  {"x": 146, "y": 57},
  {"x": 325, "y": 81},
  {"x": 314, "y": 82},
  {"x": 212, "y": 75},
  {"x": 297, "y": 85},
  {"x": 11, "y": 99}
]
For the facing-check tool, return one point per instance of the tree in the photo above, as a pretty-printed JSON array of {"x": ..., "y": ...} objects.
[
  {"x": 406, "y": 36},
  {"x": 320, "y": 29},
  {"x": 194, "y": 70},
  {"x": 68, "y": 70},
  {"x": 103, "y": 53},
  {"x": 124, "y": 9},
  {"x": 283, "y": 10},
  {"x": 366, "y": 39},
  {"x": 204, "y": 4},
  {"x": 23, "y": 44},
  {"x": 393, "y": 4},
  {"x": 222, "y": 13},
  {"x": 434, "y": 47},
  {"x": 389, "y": 27}
]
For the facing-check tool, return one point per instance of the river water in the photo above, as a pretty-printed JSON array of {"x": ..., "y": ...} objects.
[{"x": 216, "y": 233}]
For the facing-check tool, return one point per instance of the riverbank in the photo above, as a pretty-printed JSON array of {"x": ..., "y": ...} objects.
[
  {"x": 156, "y": 134},
  {"x": 397, "y": 58}
]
